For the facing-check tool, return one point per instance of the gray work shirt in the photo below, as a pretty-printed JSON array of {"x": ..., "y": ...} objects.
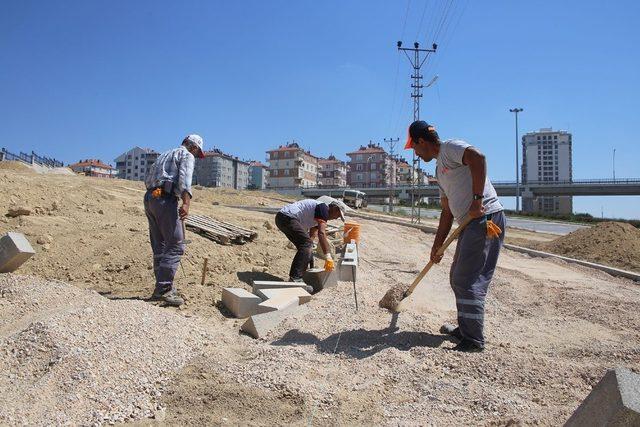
[
  {"x": 174, "y": 166},
  {"x": 309, "y": 212},
  {"x": 454, "y": 179}
]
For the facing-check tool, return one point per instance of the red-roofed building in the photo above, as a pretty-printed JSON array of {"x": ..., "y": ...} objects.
[
  {"x": 93, "y": 167},
  {"x": 290, "y": 166},
  {"x": 369, "y": 167},
  {"x": 333, "y": 172}
]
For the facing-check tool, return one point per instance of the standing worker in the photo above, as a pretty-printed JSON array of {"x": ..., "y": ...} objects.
[
  {"x": 301, "y": 222},
  {"x": 168, "y": 180},
  {"x": 465, "y": 189}
]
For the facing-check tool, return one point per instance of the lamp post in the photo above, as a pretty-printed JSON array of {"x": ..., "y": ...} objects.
[{"x": 516, "y": 111}]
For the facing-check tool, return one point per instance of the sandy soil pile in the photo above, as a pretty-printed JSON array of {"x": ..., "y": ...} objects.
[
  {"x": 70, "y": 356},
  {"x": 552, "y": 328},
  {"x": 14, "y": 166},
  {"x": 610, "y": 243}
]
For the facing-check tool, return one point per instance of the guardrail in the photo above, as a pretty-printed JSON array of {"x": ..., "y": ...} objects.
[{"x": 30, "y": 159}]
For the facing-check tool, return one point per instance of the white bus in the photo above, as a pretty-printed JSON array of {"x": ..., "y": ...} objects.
[{"x": 354, "y": 199}]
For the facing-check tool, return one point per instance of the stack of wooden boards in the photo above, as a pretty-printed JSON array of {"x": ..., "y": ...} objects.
[{"x": 219, "y": 231}]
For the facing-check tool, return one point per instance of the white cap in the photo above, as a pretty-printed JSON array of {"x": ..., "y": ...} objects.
[
  {"x": 335, "y": 202},
  {"x": 197, "y": 141}
]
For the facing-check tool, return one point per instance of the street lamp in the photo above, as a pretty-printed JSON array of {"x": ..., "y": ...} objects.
[{"x": 516, "y": 111}]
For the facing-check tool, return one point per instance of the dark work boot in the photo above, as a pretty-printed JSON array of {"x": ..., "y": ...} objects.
[
  {"x": 452, "y": 330},
  {"x": 173, "y": 299},
  {"x": 468, "y": 346}
]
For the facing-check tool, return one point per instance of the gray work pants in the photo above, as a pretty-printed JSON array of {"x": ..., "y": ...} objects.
[
  {"x": 167, "y": 239},
  {"x": 473, "y": 265},
  {"x": 297, "y": 235}
]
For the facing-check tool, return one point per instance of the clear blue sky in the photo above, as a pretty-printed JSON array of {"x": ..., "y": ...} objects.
[{"x": 88, "y": 78}]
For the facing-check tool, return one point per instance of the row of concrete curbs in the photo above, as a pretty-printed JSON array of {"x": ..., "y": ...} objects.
[{"x": 270, "y": 302}]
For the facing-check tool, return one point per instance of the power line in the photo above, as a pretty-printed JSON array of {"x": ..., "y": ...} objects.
[
  {"x": 392, "y": 145},
  {"x": 416, "y": 62}
]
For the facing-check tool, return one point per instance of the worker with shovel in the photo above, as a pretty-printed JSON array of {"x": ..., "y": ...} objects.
[
  {"x": 167, "y": 181},
  {"x": 465, "y": 190},
  {"x": 301, "y": 222}
]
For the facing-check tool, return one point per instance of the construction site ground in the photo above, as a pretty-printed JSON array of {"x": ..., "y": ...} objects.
[{"x": 71, "y": 355}]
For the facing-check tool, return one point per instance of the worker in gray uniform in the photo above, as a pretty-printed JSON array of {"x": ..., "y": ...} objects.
[
  {"x": 465, "y": 189},
  {"x": 301, "y": 222},
  {"x": 169, "y": 180}
]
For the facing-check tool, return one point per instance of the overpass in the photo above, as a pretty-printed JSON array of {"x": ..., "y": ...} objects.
[{"x": 588, "y": 187}]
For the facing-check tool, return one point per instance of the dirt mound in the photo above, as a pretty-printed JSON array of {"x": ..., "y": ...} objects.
[
  {"x": 610, "y": 243},
  {"x": 71, "y": 356},
  {"x": 15, "y": 166}
]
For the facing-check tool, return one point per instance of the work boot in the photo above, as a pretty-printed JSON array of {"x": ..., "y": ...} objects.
[
  {"x": 156, "y": 296},
  {"x": 449, "y": 329},
  {"x": 173, "y": 299},
  {"x": 468, "y": 346}
]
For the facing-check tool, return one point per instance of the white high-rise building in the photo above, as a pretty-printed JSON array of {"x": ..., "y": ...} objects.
[
  {"x": 135, "y": 163},
  {"x": 546, "y": 157}
]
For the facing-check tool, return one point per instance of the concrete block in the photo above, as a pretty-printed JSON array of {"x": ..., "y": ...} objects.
[
  {"x": 614, "y": 401},
  {"x": 268, "y": 284},
  {"x": 281, "y": 302},
  {"x": 240, "y": 302},
  {"x": 319, "y": 279},
  {"x": 15, "y": 250},
  {"x": 259, "y": 325},
  {"x": 348, "y": 270},
  {"x": 302, "y": 295}
]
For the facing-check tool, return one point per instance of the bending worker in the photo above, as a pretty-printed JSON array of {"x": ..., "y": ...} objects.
[
  {"x": 465, "y": 189},
  {"x": 301, "y": 222},
  {"x": 168, "y": 180}
]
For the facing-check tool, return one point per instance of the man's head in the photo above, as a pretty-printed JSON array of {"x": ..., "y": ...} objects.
[
  {"x": 337, "y": 208},
  {"x": 424, "y": 140},
  {"x": 335, "y": 212},
  {"x": 195, "y": 145}
]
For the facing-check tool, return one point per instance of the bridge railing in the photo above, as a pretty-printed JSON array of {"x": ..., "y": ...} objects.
[{"x": 30, "y": 159}]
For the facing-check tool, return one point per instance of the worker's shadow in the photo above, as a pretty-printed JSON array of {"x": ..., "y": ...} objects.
[
  {"x": 249, "y": 276},
  {"x": 362, "y": 343}
]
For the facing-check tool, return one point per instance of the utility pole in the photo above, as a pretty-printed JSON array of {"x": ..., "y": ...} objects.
[
  {"x": 516, "y": 111},
  {"x": 416, "y": 63},
  {"x": 392, "y": 145},
  {"x": 614, "y": 164}
]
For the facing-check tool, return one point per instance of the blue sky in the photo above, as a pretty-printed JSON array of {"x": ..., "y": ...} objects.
[{"x": 86, "y": 78}]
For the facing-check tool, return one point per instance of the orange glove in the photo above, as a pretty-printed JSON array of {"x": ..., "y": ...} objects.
[
  {"x": 493, "y": 230},
  {"x": 329, "y": 265}
]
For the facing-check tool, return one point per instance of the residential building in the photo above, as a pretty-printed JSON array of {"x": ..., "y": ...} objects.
[
  {"x": 546, "y": 156},
  {"x": 218, "y": 169},
  {"x": 93, "y": 167},
  {"x": 258, "y": 176},
  {"x": 369, "y": 166},
  {"x": 333, "y": 172},
  {"x": 405, "y": 173},
  {"x": 134, "y": 163},
  {"x": 292, "y": 167}
]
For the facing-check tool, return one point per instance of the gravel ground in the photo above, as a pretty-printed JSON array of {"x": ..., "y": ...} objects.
[{"x": 71, "y": 356}]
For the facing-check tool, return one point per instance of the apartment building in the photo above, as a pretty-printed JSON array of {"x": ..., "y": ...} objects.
[
  {"x": 547, "y": 156},
  {"x": 93, "y": 167},
  {"x": 218, "y": 169},
  {"x": 333, "y": 172},
  {"x": 292, "y": 167},
  {"x": 134, "y": 163},
  {"x": 370, "y": 166},
  {"x": 258, "y": 176}
]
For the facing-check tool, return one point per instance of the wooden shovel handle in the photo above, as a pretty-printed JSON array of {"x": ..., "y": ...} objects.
[{"x": 440, "y": 251}]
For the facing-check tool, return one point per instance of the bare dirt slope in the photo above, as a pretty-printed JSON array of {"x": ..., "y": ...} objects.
[
  {"x": 611, "y": 243},
  {"x": 552, "y": 328}
]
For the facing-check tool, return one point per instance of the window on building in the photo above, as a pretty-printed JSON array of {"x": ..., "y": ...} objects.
[
  {"x": 359, "y": 177},
  {"x": 359, "y": 167},
  {"x": 359, "y": 157},
  {"x": 373, "y": 166},
  {"x": 286, "y": 172},
  {"x": 128, "y": 170}
]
